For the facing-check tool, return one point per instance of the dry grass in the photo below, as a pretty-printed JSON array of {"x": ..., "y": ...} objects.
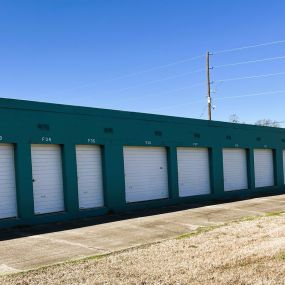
[{"x": 248, "y": 252}]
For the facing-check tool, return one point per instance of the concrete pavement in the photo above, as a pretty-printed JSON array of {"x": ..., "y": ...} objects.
[{"x": 27, "y": 248}]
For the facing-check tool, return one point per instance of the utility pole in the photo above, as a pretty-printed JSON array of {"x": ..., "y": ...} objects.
[{"x": 209, "y": 86}]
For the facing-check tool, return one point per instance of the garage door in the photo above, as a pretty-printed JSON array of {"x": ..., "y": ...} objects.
[
  {"x": 8, "y": 199},
  {"x": 89, "y": 176},
  {"x": 235, "y": 169},
  {"x": 47, "y": 179},
  {"x": 193, "y": 171},
  {"x": 263, "y": 167},
  {"x": 145, "y": 173}
]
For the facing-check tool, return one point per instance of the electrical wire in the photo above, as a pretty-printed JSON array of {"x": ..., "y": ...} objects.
[
  {"x": 246, "y": 77},
  {"x": 185, "y": 60},
  {"x": 250, "y": 61},
  {"x": 250, "y": 77},
  {"x": 251, "y": 95},
  {"x": 189, "y": 59},
  {"x": 226, "y": 98},
  {"x": 248, "y": 47},
  {"x": 161, "y": 80},
  {"x": 128, "y": 75},
  {"x": 167, "y": 92},
  {"x": 179, "y": 105},
  {"x": 155, "y": 68},
  {"x": 203, "y": 112}
]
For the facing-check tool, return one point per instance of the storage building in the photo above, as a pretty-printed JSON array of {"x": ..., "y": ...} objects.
[{"x": 61, "y": 162}]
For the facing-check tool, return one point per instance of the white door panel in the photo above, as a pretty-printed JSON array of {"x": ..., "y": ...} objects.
[
  {"x": 193, "y": 171},
  {"x": 235, "y": 169},
  {"x": 8, "y": 196},
  {"x": 263, "y": 167},
  {"x": 47, "y": 179},
  {"x": 145, "y": 173},
  {"x": 89, "y": 176}
]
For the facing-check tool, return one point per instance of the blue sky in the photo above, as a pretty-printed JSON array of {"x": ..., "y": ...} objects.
[{"x": 118, "y": 54}]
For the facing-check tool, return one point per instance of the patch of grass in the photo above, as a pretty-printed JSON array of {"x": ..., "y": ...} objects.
[
  {"x": 206, "y": 229},
  {"x": 94, "y": 257},
  {"x": 249, "y": 218},
  {"x": 281, "y": 255},
  {"x": 58, "y": 264},
  {"x": 272, "y": 214},
  {"x": 199, "y": 231}
]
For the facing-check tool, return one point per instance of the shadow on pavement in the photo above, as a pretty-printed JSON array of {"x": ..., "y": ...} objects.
[{"x": 24, "y": 231}]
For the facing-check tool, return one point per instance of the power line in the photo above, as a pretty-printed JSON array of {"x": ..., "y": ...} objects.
[
  {"x": 227, "y": 98},
  {"x": 250, "y": 77},
  {"x": 127, "y": 75},
  {"x": 203, "y": 111},
  {"x": 250, "y": 61},
  {"x": 161, "y": 80},
  {"x": 198, "y": 57},
  {"x": 179, "y": 105},
  {"x": 245, "y": 77},
  {"x": 216, "y": 81},
  {"x": 185, "y": 60},
  {"x": 251, "y": 95},
  {"x": 194, "y": 85},
  {"x": 155, "y": 68},
  {"x": 188, "y": 60},
  {"x": 249, "y": 47},
  {"x": 167, "y": 92}
]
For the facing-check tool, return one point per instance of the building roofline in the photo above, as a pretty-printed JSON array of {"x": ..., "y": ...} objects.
[{"x": 6, "y": 103}]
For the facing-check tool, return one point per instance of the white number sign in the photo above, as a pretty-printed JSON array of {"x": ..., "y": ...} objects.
[{"x": 46, "y": 139}]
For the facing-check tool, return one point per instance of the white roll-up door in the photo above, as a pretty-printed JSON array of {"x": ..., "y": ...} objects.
[
  {"x": 145, "y": 173},
  {"x": 263, "y": 167},
  {"x": 8, "y": 197},
  {"x": 89, "y": 176},
  {"x": 235, "y": 169},
  {"x": 47, "y": 179},
  {"x": 193, "y": 171}
]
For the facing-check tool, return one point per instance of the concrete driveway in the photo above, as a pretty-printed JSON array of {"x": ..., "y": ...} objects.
[{"x": 22, "y": 249}]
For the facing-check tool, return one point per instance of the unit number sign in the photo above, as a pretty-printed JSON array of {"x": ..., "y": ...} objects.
[
  {"x": 91, "y": 140},
  {"x": 46, "y": 139}
]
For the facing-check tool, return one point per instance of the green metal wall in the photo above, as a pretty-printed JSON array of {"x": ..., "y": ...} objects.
[{"x": 23, "y": 123}]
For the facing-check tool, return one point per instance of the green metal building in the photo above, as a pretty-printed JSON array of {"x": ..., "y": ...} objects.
[{"x": 62, "y": 162}]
